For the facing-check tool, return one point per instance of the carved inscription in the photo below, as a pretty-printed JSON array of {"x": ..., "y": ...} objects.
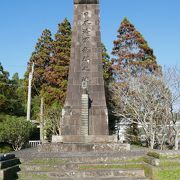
[{"x": 85, "y": 46}]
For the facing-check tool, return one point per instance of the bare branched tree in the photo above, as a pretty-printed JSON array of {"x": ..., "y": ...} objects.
[
  {"x": 172, "y": 80},
  {"x": 145, "y": 100},
  {"x": 53, "y": 120}
]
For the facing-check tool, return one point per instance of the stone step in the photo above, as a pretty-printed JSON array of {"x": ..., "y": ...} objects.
[
  {"x": 85, "y": 174},
  {"x": 74, "y": 178},
  {"x": 77, "y": 166},
  {"x": 9, "y": 173},
  {"x": 107, "y": 178},
  {"x": 80, "y": 159}
]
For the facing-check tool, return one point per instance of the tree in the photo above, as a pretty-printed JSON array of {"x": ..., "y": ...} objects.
[
  {"x": 56, "y": 73},
  {"x": 15, "y": 131},
  {"x": 172, "y": 79},
  {"x": 42, "y": 59},
  {"x": 4, "y": 83},
  {"x": 108, "y": 78},
  {"x": 17, "y": 99},
  {"x": 132, "y": 55},
  {"x": 107, "y": 66},
  {"x": 145, "y": 103},
  {"x": 132, "y": 51},
  {"x": 12, "y": 96},
  {"x": 53, "y": 120}
]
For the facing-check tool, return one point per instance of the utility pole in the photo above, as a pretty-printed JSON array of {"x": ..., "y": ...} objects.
[
  {"x": 42, "y": 120},
  {"x": 29, "y": 93}
]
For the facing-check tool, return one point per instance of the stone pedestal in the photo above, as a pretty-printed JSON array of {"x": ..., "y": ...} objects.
[
  {"x": 83, "y": 147},
  {"x": 85, "y": 139}
]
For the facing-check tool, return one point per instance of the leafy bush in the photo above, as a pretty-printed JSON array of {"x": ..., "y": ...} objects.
[
  {"x": 16, "y": 131},
  {"x": 5, "y": 148}
]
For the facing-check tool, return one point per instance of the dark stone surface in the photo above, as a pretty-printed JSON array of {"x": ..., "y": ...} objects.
[
  {"x": 9, "y": 166},
  {"x": 9, "y": 163},
  {"x": 86, "y": 1},
  {"x": 7, "y": 157},
  {"x": 86, "y": 65}
]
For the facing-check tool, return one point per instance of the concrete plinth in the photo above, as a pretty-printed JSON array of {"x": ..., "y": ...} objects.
[
  {"x": 85, "y": 139},
  {"x": 83, "y": 147}
]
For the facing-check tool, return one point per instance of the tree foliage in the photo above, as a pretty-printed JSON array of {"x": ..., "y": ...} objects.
[
  {"x": 131, "y": 50},
  {"x": 132, "y": 56},
  {"x": 12, "y": 96},
  {"x": 107, "y": 66},
  {"x": 41, "y": 57},
  {"x": 108, "y": 78},
  {"x": 4, "y": 81},
  {"x": 51, "y": 58},
  {"x": 56, "y": 73},
  {"x": 53, "y": 120},
  {"x": 145, "y": 103},
  {"x": 15, "y": 131}
]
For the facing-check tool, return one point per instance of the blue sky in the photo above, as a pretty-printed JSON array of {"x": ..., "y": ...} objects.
[{"x": 22, "y": 22}]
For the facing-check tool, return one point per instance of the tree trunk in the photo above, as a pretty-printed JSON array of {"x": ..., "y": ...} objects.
[
  {"x": 177, "y": 140},
  {"x": 162, "y": 142},
  {"x": 152, "y": 141}
]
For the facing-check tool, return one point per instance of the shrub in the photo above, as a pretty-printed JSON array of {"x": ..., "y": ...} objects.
[
  {"x": 16, "y": 131},
  {"x": 5, "y": 148}
]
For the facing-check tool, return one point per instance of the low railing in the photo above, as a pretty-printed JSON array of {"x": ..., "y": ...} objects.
[{"x": 34, "y": 143}]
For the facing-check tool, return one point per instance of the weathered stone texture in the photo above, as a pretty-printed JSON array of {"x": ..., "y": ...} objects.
[
  {"x": 86, "y": 1},
  {"x": 86, "y": 65}
]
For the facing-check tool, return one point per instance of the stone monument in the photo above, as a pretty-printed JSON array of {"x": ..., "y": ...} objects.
[{"x": 85, "y": 116}]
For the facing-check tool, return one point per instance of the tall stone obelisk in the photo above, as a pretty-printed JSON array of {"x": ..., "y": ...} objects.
[{"x": 85, "y": 110}]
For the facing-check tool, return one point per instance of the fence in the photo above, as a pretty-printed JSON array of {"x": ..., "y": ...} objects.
[{"x": 34, "y": 143}]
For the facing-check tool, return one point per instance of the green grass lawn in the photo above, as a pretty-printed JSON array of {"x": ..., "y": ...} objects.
[
  {"x": 169, "y": 168},
  {"x": 172, "y": 173}
]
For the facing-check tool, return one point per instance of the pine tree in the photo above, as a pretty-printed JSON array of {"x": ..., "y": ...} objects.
[
  {"x": 57, "y": 72},
  {"x": 41, "y": 58},
  {"x": 132, "y": 52}
]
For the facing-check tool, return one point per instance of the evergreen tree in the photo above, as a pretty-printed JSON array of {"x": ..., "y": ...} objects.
[
  {"x": 41, "y": 57},
  {"x": 132, "y": 55},
  {"x": 57, "y": 72},
  {"x": 132, "y": 52}
]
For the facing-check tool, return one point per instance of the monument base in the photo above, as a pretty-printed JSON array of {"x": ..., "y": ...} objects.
[
  {"x": 91, "y": 143},
  {"x": 83, "y": 147},
  {"x": 85, "y": 139}
]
